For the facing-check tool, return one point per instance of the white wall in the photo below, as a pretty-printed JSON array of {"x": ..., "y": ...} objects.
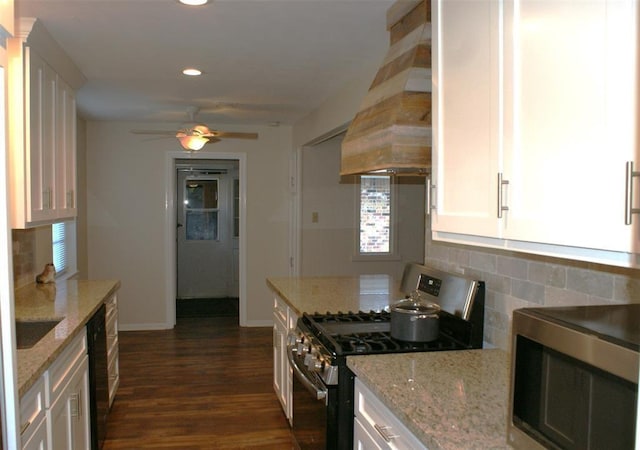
[
  {"x": 328, "y": 245},
  {"x": 336, "y": 111},
  {"x": 126, "y": 210}
]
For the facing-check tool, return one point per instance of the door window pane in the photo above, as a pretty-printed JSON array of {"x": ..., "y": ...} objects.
[
  {"x": 201, "y": 210},
  {"x": 202, "y": 225},
  {"x": 202, "y": 194}
]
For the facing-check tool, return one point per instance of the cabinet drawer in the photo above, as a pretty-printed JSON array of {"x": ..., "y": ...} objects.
[
  {"x": 112, "y": 357},
  {"x": 65, "y": 364},
  {"x": 32, "y": 409},
  {"x": 362, "y": 440},
  {"x": 112, "y": 346},
  {"x": 280, "y": 309},
  {"x": 114, "y": 375},
  {"x": 380, "y": 423},
  {"x": 111, "y": 323},
  {"x": 112, "y": 306}
]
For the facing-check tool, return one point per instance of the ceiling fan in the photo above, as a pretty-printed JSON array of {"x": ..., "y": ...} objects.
[{"x": 193, "y": 136}]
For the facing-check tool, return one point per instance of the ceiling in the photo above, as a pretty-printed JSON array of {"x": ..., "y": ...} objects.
[{"x": 263, "y": 61}]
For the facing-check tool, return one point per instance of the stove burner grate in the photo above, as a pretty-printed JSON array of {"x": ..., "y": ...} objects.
[
  {"x": 356, "y": 317},
  {"x": 373, "y": 343}
]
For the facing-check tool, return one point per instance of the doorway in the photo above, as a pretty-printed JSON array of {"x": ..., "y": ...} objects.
[{"x": 207, "y": 237}]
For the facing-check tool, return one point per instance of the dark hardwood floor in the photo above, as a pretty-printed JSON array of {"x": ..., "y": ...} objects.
[{"x": 207, "y": 384}]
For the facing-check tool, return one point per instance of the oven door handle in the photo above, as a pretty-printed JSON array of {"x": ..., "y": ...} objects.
[{"x": 320, "y": 393}]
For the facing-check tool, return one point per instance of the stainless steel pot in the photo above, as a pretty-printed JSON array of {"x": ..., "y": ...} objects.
[{"x": 415, "y": 320}]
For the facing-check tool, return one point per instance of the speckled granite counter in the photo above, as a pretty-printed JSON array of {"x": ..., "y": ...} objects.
[
  {"x": 74, "y": 301},
  {"x": 321, "y": 294},
  {"x": 449, "y": 400}
]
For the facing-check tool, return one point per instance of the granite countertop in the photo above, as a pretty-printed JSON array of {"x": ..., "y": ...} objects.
[
  {"x": 73, "y": 301},
  {"x": 334, "y": 294},
  {"x": 450, "y": 400}
]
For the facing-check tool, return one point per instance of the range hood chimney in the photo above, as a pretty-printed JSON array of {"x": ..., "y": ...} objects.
[{"x": 391, "y": 133}]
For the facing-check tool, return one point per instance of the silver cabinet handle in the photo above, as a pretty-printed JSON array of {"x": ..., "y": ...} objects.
[
  {"x": 501, "y": 184},
  {"x": 629, "y": 210},
  {"x": 75, "y": 406},
  {"x": 70, "y": 199},
  {"x": 431, "y": 195},
  {"x": 385, "y": 432}
]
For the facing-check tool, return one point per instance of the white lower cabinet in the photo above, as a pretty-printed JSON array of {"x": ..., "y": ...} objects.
[
  {"x": 33, "y": 416},
  {"x": 54, "y": 413},
  {"x": 112, "y": 346},
  {"x": 38, "y": 438},
  {"x": 69, "y": 413},
  {"x": 284, "y": 319},
  {"x": 376, "y": 427}
]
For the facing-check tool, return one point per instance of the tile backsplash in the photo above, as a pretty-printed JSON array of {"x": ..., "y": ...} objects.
[
  {"x": 518, "y": 280},
  {"x": 24, "y": 250},
  {"x": 31, "y": 250}
]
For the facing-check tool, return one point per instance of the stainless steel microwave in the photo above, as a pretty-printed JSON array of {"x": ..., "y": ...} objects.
[{"x": 574, "y": 377}]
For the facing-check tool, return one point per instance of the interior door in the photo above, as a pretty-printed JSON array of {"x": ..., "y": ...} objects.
[{"x": 204, "y": 234}]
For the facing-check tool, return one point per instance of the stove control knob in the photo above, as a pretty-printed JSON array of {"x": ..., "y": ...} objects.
[
  {"x": 317, "y": 365},
  {"x": 309, "y": 355},
  {"x": 314, "y": 364}
]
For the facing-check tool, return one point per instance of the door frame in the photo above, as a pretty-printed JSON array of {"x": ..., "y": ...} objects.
[{"x": 170, "y": 229}]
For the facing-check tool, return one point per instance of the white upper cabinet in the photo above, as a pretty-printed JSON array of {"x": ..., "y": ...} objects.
[
  {"x": 466, "y": 156},
  {"x": 535, "y": 129},
  {"x": 39, "y": 138},
  {"x": 66, "y": 150},
  {"x": 42, "y": 129}
]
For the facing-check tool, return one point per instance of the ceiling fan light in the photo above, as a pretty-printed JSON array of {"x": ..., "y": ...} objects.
[
  {"x": 192, "y": 72},
  {"x": 192, "y": 142},
  {"x": 200, "y": 129},
  {"x": 194, "y": 2}
]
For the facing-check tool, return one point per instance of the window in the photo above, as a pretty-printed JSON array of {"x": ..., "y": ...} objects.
[
  {"x": 63, "y": 236},
  {"x": 59, "y": 247},
  {"x": 376, "y": 211},
  {"x": 201, "y": 209}
]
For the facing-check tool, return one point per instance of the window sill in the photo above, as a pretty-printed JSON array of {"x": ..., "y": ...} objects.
[
  {"x": 69, "y": 274},
  {"x": 376, "y": 257}
]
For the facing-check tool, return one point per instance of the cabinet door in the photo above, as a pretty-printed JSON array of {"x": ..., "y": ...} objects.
[
  {"x": 40, "y": 139},
  {"x": 65, "y": 151},
  {"x": 571, "y": 112},
  {"x": 466, "y": 139},
  {"x": 69, "y": 413},
  {"x": 37, "y": 440},
  {"x": 279, "y": 357}
]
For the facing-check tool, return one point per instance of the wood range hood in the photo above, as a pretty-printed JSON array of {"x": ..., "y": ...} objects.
[{"x": 391, "y": 133}]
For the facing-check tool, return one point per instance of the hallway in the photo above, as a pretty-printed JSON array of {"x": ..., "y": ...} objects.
[{"x": 207, "y": 384}]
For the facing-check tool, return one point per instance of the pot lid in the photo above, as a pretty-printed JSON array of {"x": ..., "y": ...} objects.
[{"x": 416, "y": 304}]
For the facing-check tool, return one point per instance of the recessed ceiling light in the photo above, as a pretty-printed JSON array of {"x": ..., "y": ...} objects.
[
  {"x": 193, "y": 72},
  {"x": 194, "y": 2}
]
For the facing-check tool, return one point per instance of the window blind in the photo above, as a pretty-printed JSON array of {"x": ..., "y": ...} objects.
[{"x": 59, "y": 247}]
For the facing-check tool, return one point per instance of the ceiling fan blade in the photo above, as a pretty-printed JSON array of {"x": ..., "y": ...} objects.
[
  {"x": 158, "y": 132},
  {"x": 234, "y": 135},
  {"x": 213, "y": 140}
]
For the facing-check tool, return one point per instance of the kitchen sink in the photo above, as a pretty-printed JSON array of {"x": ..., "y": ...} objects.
[{"x": 29, "y": 332}]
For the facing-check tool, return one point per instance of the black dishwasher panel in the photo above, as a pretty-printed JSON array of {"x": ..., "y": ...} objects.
[{"x": 98, "y": 377}]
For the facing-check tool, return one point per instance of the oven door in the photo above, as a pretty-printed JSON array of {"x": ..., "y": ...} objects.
[{"x": 311, "y": 412}]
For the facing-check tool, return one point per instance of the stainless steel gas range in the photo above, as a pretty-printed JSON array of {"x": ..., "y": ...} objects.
[{"x": 318, "y": 348}]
